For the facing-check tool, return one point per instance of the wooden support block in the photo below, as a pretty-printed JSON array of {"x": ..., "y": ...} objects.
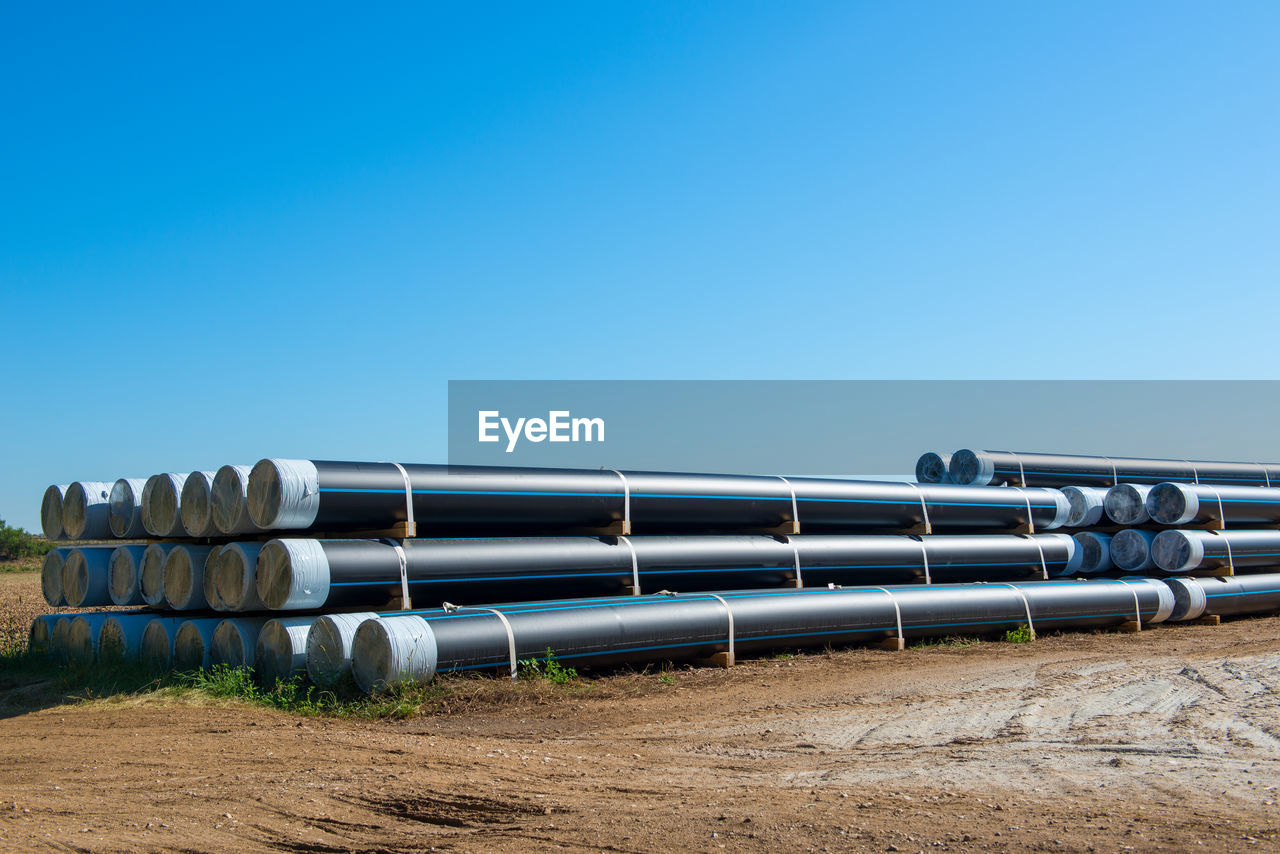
[
  {"x": 1131, "y": 626},
  {"x": 1220, "y": 572},
  {"x": 619, "y": 528},
  {"x": 398, "y": 531},
  {"x": 892, "y": 644},
  {"x": 1206, "y": 620},
  {"x": 629, "y": 590},
  {"x": 793, "y": 582},
  {"x": 719, "y": 659}
]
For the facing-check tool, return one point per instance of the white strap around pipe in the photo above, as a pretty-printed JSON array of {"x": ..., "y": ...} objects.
[
  {"x": 897, "y": 613},
  {"x": 1026, "y": 605},
  {"x": 795, "y": 505},
  {"x": 1022, "y": 472},
  {"x": 449, "y": 608},
  {"x": 635, "y": 567},
  {"x": 1044, "y": 565},
  {"x": 795, "y": 553},
  {"x": 411, "y": 526},
  {"x": 924, "y": 508},
  {"x": 1222, "y": 514},
  {"x": 1031, "y": 522},
  {"x": 1265, "y": 473},
  {"x": 405, "y": 603},
  {"x": 1137, "y": 606},
  {"x": 729, "y": 612},
  {"x": 626, "y": 502},
  {"x": 924, "y": 554},
  {"x": 1115, "y": 479},
  {"x": 1231, "y": 562}
]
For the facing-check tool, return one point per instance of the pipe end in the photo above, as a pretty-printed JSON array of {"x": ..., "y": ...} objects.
[
  {"x": 390, "y": 650},
  {"x": 284, "y": 494},
  {"x": 293, "y": 575}
]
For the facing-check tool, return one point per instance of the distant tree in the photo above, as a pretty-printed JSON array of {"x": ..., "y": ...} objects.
[{"x": 16, "y": 543}]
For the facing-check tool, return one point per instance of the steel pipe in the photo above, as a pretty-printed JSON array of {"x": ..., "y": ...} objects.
[
  {"x": 415, "y": 647},
  {"x": 281, "y": 651},
  {"x": 1126, "y": 504},
  {"x": 51, "y": 511},
  {"x": 125, "y": 508},
  {"x": 86, "y": 510},
  {"x": 1195, "y": 551},
  {"x": 303, "y": 495},
  {"x": 86, "y": 576},
  {"x": 333, "y": 574},
  {"x": 1198, "y": 504},
  {"x": 1131, "y": 550},
  {"x": 329, "y": 646},
  {"x": 994, "y": 467},
  {"x": 230, "y": 499},
  {"x": 195, "y": 505},
  {"x": 184, "y": 568}
]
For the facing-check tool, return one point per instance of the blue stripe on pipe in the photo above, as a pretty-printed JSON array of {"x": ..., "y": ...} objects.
[
  {"x": 1240, "y": 593},
  {"x": 635, "y": 495},
  {"x": 1126, "y": 478}
]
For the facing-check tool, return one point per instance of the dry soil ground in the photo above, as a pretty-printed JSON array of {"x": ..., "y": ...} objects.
[{"x": 1166, "y": 740}]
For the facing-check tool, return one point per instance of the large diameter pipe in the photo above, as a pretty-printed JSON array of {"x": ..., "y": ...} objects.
[
  {"x": 236, "y": 582},
  {"x": 1087, "y": 505},
  {"x": 193, "y": 643},
  {"x": 120, "y": 637},
  {"x": 313, "y": 574},
  {"x": 235, "y": 641},
  {"x": 932, "y": 468},
  {"x": 1095, "y": 552},
  {"x": 58, "y": 637},
  {"x": 476, "y": 500},
  {"x": 1197, "y": 504},
  {"x": 86, "y": 576},
  {"x": 230, "y": 499},
  {"x": 1126, "y": 504},
  {"x": 211, "y": 594},
  {"x": 1131, "y": 550},
  {"x": 86, "y": 510},
  {"x": 125, "y": 575},
  {"x": 184, "y": 577},
  {"x": 125, "y": 508},
  {"x": 161, "y": 504},
  {"x": 281, "y": 650},
  {"x": 196, "y": 505},
  {"x": 155, "y": 650},
  {"x": 386, "y": 650},
  {"x": 82, "y": 638},
  {"x": 329, "y": 646},
  {"x": 1255, "y": 593},
  {"x": 1196, "y": 551},
  {"x": 51, "y": 511},
  {"x": 994, "y": 467},
  {"x": 151, "y": 574},
  {"x": 51, "y": 577},
  {"x": 40, "y": 635}
]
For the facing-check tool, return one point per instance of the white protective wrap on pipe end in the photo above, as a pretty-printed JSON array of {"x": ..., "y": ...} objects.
[
  {"x": 237, "y": 577},
  {"x": 161, "y": 497},
  {"x": 84, "y": 577},
  {"x": 86, "y": 510},
  {"x": 1126, "y": 503},
  {"x": 281, "y": 651},
  {"x": 155, "y": 650},
  {"x": 1189, "y": 598},
  {"x": 230, "y": 499},
  {"x": 1173, "y": 503},
  {"x": 40, "y": 635},
  {"x": 184, "y": 577},
  {"x": 58, "y": 637},
  {"x": 82, "y": 639},
  {"x": 1086, "y": 505},
  {"x": 329, "y": 646},
  {"x": 234, "y": 640},
  {"x": 211, "y": 594},
  {"x": 1164, "y": 596},
  {"x": 972, "y": 468},
  {"x": 120, "y": 637},
  {"x": 389, "y": 650},
  {"x": 1062, "y": 510},
  {"x": 293, "y": 575},
  {"x": 51, "y": 511},
  {"x": 124, "y": 575},
  {"x": 1075, "y": 554},
  {"x": 1178, "y": 551},
  {"x": 51, "y": 577},
  {"x": 193, "y": 643},
  {"x": 195, "y": 507},
  {"x": 1131, "y": 549},
  {"x": 151, "y": 575},
  {"x": 284, "y": 494},
  {"x": 124, "y": 513}
]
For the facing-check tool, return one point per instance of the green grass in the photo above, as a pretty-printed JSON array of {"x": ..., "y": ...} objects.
[
  {"x": 1022, "y": 634},
  {"x": 547, "y": 668},
  {"x": 21, "y": 564},
  {"x": 950, "y": 642}
]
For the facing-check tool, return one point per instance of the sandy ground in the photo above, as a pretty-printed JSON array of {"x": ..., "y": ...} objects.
[{"x": 1166, "y": 740}]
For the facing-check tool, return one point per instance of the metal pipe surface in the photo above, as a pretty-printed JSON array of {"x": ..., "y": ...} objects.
[
  {"x": 1200, "y": 504},
  {"x": 1033, "y": 469},
  {"x": 1193, "y": 551}
]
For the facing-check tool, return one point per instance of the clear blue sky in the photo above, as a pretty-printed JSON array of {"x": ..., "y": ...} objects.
[{"x": 251, "y": 230}]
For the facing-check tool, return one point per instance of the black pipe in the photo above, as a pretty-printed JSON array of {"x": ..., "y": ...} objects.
[
  {"x": 932, "y": 468},
  {"x": 334, "y": 574},
  {"x": 1224, "y": 597},
  {"x": 994, "y": 467},
  {"x": 1194, "y": 551},
  {"x": 698, "y": 625},
  {"x": 476, "y": 500}
]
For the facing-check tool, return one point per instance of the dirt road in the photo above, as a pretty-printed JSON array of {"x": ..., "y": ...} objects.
[{"x": 1166, "y": 740}]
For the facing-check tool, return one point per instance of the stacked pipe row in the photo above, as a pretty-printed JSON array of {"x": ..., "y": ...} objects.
[{"x": 698, "y": 533}]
